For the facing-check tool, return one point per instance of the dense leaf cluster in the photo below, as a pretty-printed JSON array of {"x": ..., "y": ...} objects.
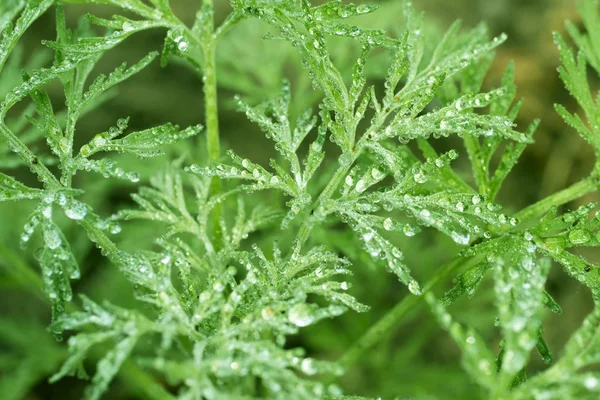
[{"x": 218, "y": 308}]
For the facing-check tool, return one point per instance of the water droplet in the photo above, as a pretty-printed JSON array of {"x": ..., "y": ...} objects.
[
  {"x": 127, "y": 26},
  {"x": 396, "y": 252},
  {"x": 301, "y": 315},
  {"x": 349, "y": 180},
  {"x": 183, "y": 46},
  {"x": 460, "y": 206},
  {"x": 274, "y": 180},
  {"x": 377, "y": 174},
  {"x": 47, "y": 212},
  {"x": 461, "y": 238},
  {"x": 471, "y": 340},
  {"x": 579, "y": 236},
  {"x": 388, "y": 224},
  {"x": 590, "y": 382},
  {"x": 49, "y": 198},
  {"x": 115, "y": 228},
  {"x": 99, "y": 140},
  {"x": 267, "y": 313},
  {"x": 409, "y": 230},
  {"x": 361, "y": 186},
  {"x": 415, "y": 288},
  {"x": 345, "y": 159},
  {"x": 235, "y": 297},
  {"x": 307, "y": 366},
  {"x": 52, "y": 238},
  {"x": 528, "y": 263},
  {"x": 75, "y": 210},
  {"x": 476, "y": 199},
  {"x": 251, "y": 277}
]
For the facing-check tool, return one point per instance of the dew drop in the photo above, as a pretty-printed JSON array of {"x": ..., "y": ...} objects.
[
  {"x": 345, "y": 159},
  {"x": 75, "y": 210},
  {"x": 461, "y": 238},
  {"x": 377, "y": 174},
  {"x": 590, "y": 382},
  {"x": 127, "y": 26},
  {"x": 579, "y": 236},
  {"x": 388, "y": 224},
  {"x": 52, "y": 238},
  {"x": 47, "y": 212},
  {"x": 307, "y": 366},
  {"x": 361, "y": 186},
  {"x": 420, "y": 177},
  {"x": 183, "y": 46},
  {"x": 415, "y": 288},
  {"x": 301, "y": 315},
  {"x": 267, "y": 313},
  {"x": 409, "y": 230},
  {"x": 133, "y": 177}
]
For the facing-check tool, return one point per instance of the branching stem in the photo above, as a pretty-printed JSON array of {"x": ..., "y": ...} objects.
[{"x": 209, "y": 79}]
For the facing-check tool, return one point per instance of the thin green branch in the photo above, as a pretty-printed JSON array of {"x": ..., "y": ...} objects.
[
  {"x": 390, "y": 321},
  {"x": 209, "y": 79},
  {"x": 574, "y": 192}
]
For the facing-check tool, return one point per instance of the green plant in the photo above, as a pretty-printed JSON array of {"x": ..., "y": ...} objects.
[{"x": 228, "y": 280}]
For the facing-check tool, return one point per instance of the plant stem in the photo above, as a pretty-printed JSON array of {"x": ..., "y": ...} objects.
[
  {"x": 308, "y": 224},
  {"x": 579, "y": 189},
  {"x": 390, "y": 320},
  {"x": 138, "y": 381},
  {"x": 211, "y": 106}
]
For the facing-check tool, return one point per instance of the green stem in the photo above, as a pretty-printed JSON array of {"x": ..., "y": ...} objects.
[
  {"x": 34, "y": 164},
  {"x": 138, "y": 381},
  {"x": 390, "y": 320},
  {"x": 307, "y": 225},
  {"x": 211, "y": 106},
  {"x": 580, "y": 189}
]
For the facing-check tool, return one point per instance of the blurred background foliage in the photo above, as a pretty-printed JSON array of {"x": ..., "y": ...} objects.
[{"x": 417, "y": 360}]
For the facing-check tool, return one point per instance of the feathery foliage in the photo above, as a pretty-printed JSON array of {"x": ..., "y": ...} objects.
[{"x": 229, "y": 275}]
